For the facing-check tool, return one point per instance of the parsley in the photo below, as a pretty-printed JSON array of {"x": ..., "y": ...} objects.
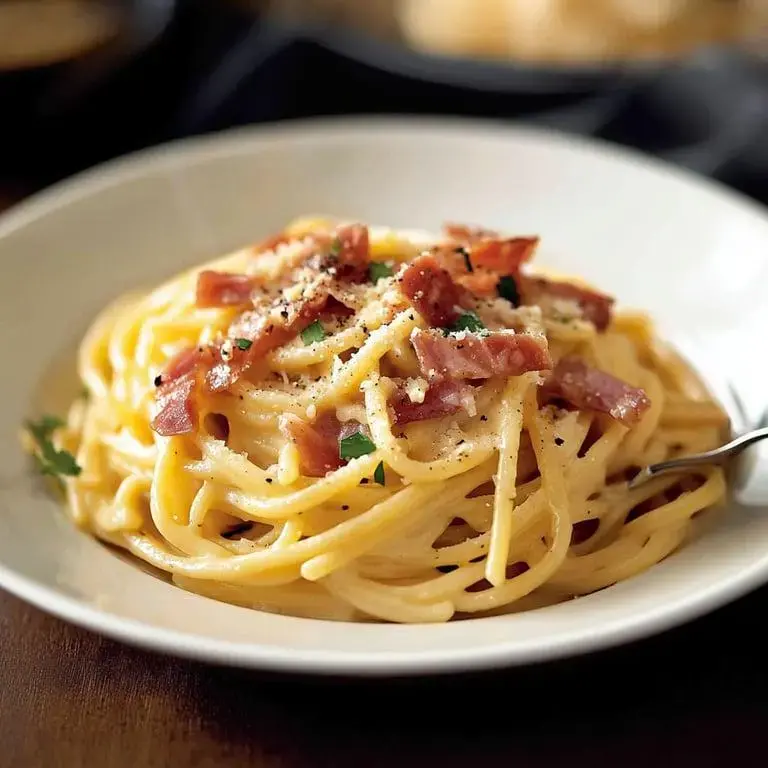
[
  {"x": 378, "y": 269},
  {"x": 468, "y": 321},
  {"x": 507, "y": 288},
  {"x": 243, "y": 344},
  {"x": 51, "y": 461},
  {"x": 356, "y": 445},
  {"x": 336, "y": 246},
  {"x": 378, "y": 474},
  {"x": 313, "y": 333}
]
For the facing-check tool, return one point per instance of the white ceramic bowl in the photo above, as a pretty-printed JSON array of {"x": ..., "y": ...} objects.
[{"x": 694, "y": 255}]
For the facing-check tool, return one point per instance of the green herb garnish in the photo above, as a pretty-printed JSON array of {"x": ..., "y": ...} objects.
[
  {"x": 336, "y": 246},
  {"x": 378, "y": 269},
  {"x": 378, "y": 473},
  {"x": 243, "y": 344},
  {"x": 507, "y": 288},
  {"x": 51, "y": 461},
  {"x": 468, "y": 321},
  {"x": 313, "y": 333},
  {"x": 356, "y": 445}
]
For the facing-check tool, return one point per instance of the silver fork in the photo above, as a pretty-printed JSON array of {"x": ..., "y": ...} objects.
[{"x": 716, "y": 456}]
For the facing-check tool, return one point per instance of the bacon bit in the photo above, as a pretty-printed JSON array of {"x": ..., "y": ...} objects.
[
  {"x": 587, "y": 388},
  {"x": 184, "y": 362},
  {"x": 592, "y": 306},
  {"x": 443, "y": 398},
  {"x": 267, "y": 330},
  {"x": 353, "y": 252},
  {"x": 488, "y": 250},
  {"x": 467, "y": 234},
  {"x": 318, "y": 442},
  {"x": 176, "y": 409},
  {"x": 474, "y": 356},
  {"x": 431, "y": 291},
  {"x": 504, "y": 257},
  {"x": 223, "y": 289}
]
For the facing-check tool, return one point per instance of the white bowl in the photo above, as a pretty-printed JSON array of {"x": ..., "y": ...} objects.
[{"x": 691, "y": 253}]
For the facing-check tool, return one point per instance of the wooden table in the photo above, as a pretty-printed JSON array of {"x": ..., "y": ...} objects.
[{"x": 696, "y": 696}]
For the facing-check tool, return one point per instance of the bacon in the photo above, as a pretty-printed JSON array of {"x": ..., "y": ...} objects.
[
  {"x": 318, "y": 442},
  {"x": 547, "y": 294},
  {"x": 467, "y": 234},
  {"x": 352, "y": 250},
  {"x": 589, "y": 389},
  {"x": 487, "y": 250},
  {"x": 476, "y": 356},
  {"x": 443, "y": 398},
  {"x": 431, "y": 291},
  {"x": 176, "y": 401},
  {"x": 266, "y": 330},
  {"x": 223, "y": 289},
  {"x": 505, "y": 257}
]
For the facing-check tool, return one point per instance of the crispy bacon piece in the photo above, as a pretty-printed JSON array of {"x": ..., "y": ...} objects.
[
  {"x": 431, "y": 291},
  {"x": 487, "y": 250},
  {"x": 351, "y": 247},
  {"x": 589, "y": 389},
  {"x": 465, "y": 233},
  {"x": 480, "y": 356},
  {"x": 318, "y": 442},
  {"x": 176, "y": 401},
  {"x": 505, "y": 257},
  {"x": 443, "y": 398},
  {"x": 223, "y": 289},
  {"x": 548, "y": 294},
  {"x": 266, "y": 330}
]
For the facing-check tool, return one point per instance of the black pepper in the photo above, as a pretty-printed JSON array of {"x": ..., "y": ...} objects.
[
  {"x": 158, "y": 380},
  {"x": 559, "y": 441}
]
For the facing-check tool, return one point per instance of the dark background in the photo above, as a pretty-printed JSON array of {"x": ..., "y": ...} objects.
[{"x": 696, "y": 696}]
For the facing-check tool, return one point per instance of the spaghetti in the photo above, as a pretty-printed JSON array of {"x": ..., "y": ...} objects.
[{"x": 356, "y": 424}]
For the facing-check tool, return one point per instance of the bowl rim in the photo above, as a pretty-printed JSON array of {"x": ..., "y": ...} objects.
[{"x": 195, "y": 646}]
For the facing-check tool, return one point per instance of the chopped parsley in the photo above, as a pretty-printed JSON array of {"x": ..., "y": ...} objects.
[
  {"x": 336, "y": 246},
  {"x": 313, "y": 333},
  {"x": 51, "y": 461},
  {"x": 243, "y": 344},
  {"x": 378, "y": 474},
  {"x": 356, "y": 445},
  {"x": 507, "y": 288},
  {"x": 468, "y": 321},
  {"x": 378, "y": 269}
]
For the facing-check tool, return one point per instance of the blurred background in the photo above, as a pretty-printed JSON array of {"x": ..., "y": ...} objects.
[{"x": 82, "y": 81}]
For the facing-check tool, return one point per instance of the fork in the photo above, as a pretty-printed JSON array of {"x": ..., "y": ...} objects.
[{"x": 751, "y": 476}]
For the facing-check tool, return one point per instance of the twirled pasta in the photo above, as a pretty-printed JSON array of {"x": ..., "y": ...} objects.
[{"x": 503, "y": 507}]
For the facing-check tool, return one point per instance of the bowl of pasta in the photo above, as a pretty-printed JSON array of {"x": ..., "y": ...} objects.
[{"x": 292, "y": 398}]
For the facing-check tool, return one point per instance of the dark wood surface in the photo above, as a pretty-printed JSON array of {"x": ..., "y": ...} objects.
[{"x": 696, "y": 696}]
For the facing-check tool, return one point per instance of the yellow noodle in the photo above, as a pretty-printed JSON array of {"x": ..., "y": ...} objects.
[{"x": 435, "y": 521}]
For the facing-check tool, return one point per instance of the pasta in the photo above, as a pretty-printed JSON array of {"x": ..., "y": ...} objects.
[{"x": 365, "y": 424}]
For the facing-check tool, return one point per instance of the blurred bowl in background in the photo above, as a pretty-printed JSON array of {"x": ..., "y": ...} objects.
[{"x": 522, "y": 45}]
